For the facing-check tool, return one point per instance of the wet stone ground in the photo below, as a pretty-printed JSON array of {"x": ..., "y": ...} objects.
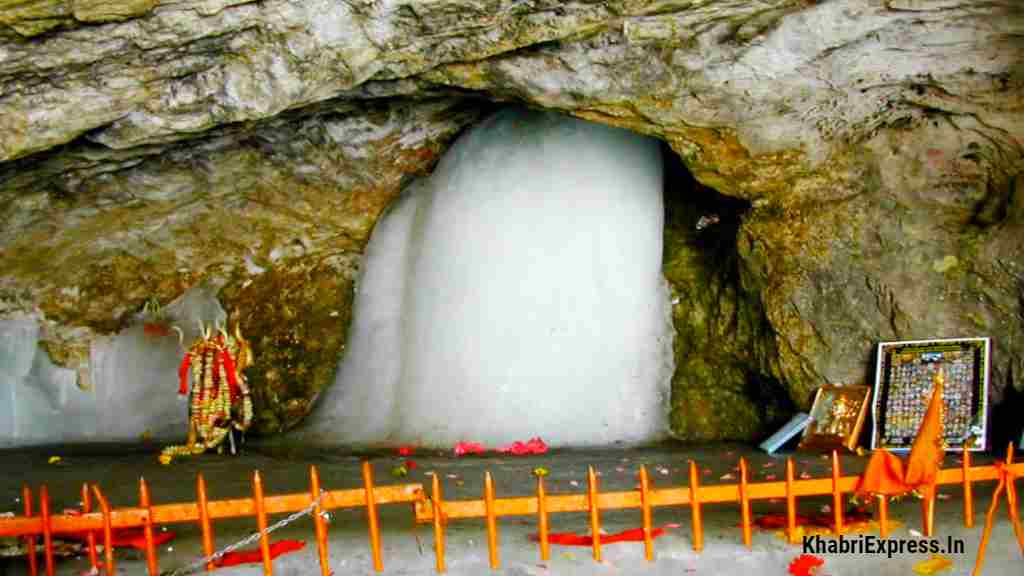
[{"x": 408, "y": 549}]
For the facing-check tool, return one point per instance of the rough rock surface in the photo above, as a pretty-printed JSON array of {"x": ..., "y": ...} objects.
[{"x": 146, "y": 146}]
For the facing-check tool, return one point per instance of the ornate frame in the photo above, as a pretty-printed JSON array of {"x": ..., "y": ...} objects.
[{"x": 837, "y": 418}]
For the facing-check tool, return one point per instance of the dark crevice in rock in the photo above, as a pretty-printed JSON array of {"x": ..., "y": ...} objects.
[{"x": 722, "y": 388}]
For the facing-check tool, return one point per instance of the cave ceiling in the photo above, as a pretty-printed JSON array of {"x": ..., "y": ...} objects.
[{"x": 149, "y": 146}]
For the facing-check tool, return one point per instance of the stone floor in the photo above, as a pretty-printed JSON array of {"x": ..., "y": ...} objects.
[{"x": 408, "y": 549}]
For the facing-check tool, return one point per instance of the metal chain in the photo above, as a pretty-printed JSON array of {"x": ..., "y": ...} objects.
[{"x": 202, "y": 562}]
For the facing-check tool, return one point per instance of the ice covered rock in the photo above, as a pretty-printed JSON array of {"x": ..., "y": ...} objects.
[
  {"x": 134, "y": 376},
  {"x": 515, "y": 293}
]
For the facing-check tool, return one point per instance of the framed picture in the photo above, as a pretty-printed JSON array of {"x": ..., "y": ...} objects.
[
  {"x": 837, "y": 418},
  {"x": 903, "y": 387}
]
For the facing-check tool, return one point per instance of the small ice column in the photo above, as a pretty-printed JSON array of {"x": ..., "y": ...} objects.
[
  {"x": 517, "y": 292},
  {"x": 135, "y": 384}
]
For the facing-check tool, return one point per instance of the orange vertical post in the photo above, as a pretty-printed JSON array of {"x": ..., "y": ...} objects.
[
  {"x": 1011, "y": 500},
  {"x": 698, "y": 524},
  {"x": 147, "y": 529},
  {"x": 492, "y": 522},
  {"x": 261, "y": 523},
  {"x": 542, "y": 520},
  {"x": 44, "y": 511},
  {"x": 90, "y": 537},
  {"x": 319, "y": 525},
  {"x": 595, "y": 514},
  {"x": 1000, "y": 485},
  {"x": 204, "y": 520},
  {"x": 837, "y": 495},
  {"x": 790, "y": 503},
  {"x": 883, "y": 515},
  {"x": 435, "y": 499},
  {"x": 30, "y": 541},
  {"x": 371, "y": 516},
  {"x": 928, "y": 514},
  {"x": 645, "y": 512},
  {"x": 108, "y": 533},
  {"x": 968, "y": 491},
  {"x": 744, "y": 504}
]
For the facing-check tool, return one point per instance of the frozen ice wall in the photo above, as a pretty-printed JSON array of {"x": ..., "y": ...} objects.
[
  {"x": 134, "y": 389},
  {"x": 515, "y": 293}
]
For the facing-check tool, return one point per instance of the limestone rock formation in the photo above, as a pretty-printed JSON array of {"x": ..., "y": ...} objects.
[{"x": 149, "y": 146}]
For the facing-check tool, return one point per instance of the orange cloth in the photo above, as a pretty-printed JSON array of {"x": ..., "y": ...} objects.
[
  {"x": 927, "y": 451},
  {"x": 885, "y": 473}
]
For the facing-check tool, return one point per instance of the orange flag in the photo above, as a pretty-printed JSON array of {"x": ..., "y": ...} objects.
[{"x": 885, "y": 473}]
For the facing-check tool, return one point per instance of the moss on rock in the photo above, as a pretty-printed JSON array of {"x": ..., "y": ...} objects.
[
  {"x": 297, "y": 314},
  {"x": 723, "y": 387}
]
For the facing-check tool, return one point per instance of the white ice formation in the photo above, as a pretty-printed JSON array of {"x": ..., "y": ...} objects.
[
  {"x": 134, "y": 390},
  {"x": 517, "y": 292}
]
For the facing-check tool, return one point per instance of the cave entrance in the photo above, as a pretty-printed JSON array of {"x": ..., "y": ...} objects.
[
  {"x": 516, "y": 292},
  {"x": 521, "y": 291}
]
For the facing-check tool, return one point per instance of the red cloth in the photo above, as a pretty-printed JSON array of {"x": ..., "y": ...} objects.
[
  {"x": 254, "y": 556},
  {"x": 124, "y": 537},
  {"x": 183, "y": 374},
  {"x": 574, "y": 539}
]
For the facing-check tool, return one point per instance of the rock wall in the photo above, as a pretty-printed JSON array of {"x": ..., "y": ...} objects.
[{"x": 146, "y": 147}]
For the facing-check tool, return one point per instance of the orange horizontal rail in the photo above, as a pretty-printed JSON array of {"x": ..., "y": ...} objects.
[
  {"x": 527, "y": 505},
  {"x": 189, "y": 512}
]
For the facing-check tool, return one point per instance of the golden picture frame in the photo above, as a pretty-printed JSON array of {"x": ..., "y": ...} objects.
[{"x": 837, "y": 418}]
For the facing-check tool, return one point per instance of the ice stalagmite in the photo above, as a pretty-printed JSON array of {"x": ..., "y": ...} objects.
[{"x": 517, "y": 292}]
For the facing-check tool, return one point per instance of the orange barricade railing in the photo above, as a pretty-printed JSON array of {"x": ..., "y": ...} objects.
[{"x": 438, "y": 512}]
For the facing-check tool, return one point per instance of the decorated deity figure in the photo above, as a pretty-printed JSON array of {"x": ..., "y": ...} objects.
[
  {"x": 842, "y": 416},
  {"x": 219, "y": 398}
]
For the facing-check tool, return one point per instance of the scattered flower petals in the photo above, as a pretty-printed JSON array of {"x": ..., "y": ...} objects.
[
  {"x": 405, "y": 450},
  {"x": 531, "y": 446},
  {"x": 934, "y": 565},
  {"x": 452, "y": 475},
  {"x": 574, "y": 483},
  {"x": 805, "y": 475},
  {"x": 805, "y": 565},
  {"x": 768, "y": 465},
  {"x": 915, "y": 533},
  {"x": 620, "y": 469},
  {"x": 943, "y": 496},
  {"x": 463, "y": 448},
  {"x": 727, "y": 476},
  {"x": 707, "y": 471},
  {"x": 769, "y": 476}
]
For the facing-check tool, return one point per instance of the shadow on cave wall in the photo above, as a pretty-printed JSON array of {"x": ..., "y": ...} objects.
[{"x": 722, "y": 388}]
